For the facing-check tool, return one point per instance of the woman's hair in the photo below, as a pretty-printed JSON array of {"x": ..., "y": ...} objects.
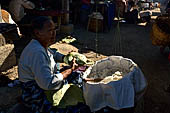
[{"x": 38, "y": 22}]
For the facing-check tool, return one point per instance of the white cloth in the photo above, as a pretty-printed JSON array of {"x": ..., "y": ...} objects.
[
  {"x": 16, "y": 8},
  {"x": 115, "y": 94},
  {"x": 37, "y": 63}
]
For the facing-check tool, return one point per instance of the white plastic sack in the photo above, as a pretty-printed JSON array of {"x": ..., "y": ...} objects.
[{"x": 115, "y": 94}]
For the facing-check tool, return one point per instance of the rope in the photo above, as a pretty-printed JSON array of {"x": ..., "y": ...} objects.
[
  {"x": 117, "y": 41},
  {"x": 96, "y": 39}
]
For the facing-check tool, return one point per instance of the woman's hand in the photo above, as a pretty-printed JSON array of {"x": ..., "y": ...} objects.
[
  {"x": 68, "y": 71},
  {"x": 73, "y": 64}
]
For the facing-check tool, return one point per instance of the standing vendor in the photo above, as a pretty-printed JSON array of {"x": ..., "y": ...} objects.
[{"x": 37, "y": 66}]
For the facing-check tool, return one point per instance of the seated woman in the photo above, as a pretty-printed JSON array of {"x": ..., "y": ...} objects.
[{"x": 37, "y": 67}]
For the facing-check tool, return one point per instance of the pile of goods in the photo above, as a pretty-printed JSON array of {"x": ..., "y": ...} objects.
[
  {"x": 160, "y": 34},
  {"x": 115, "y": 77},
  {"x": 106, "y": 70},
  {"x": 80, "y": 59},
  {"x": 105, "y": 76}
]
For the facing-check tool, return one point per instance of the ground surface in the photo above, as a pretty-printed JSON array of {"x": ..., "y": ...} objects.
[{"x": 134, "y": 43}]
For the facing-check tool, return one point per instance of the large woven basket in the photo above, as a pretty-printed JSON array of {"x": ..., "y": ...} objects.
[{"x": 160, "y": 34}]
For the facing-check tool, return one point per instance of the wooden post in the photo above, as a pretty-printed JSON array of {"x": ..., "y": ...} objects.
[
  {"x": 65, "y": 7},
  {"x": 0, "y": 14},
  {"x": 66, "y": 27}
]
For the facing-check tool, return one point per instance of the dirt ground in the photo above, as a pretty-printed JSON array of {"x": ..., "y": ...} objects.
[{"x": 134, "y": 43}]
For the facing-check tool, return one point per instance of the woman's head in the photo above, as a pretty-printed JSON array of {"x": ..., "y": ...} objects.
[{"x": 44, "y": 30}]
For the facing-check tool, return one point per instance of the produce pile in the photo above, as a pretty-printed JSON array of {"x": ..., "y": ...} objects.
[
  {"x": 106, "y": 76},
  {"x": 118, "y": 75},
  {"x": 80, "y": 59}
]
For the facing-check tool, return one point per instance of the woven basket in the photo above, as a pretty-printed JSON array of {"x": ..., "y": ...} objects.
[
  {"x": 160, "y": 36},
  {"x": 95, "y": 25}
]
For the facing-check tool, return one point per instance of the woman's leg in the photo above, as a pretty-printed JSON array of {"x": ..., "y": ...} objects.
[{"x": 34, "y": 98}]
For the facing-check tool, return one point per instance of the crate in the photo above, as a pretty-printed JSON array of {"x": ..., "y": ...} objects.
[{"x": 95, "y": 25}]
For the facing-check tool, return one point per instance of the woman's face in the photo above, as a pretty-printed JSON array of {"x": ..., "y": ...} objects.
[{"x": 47, "y": 34}]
